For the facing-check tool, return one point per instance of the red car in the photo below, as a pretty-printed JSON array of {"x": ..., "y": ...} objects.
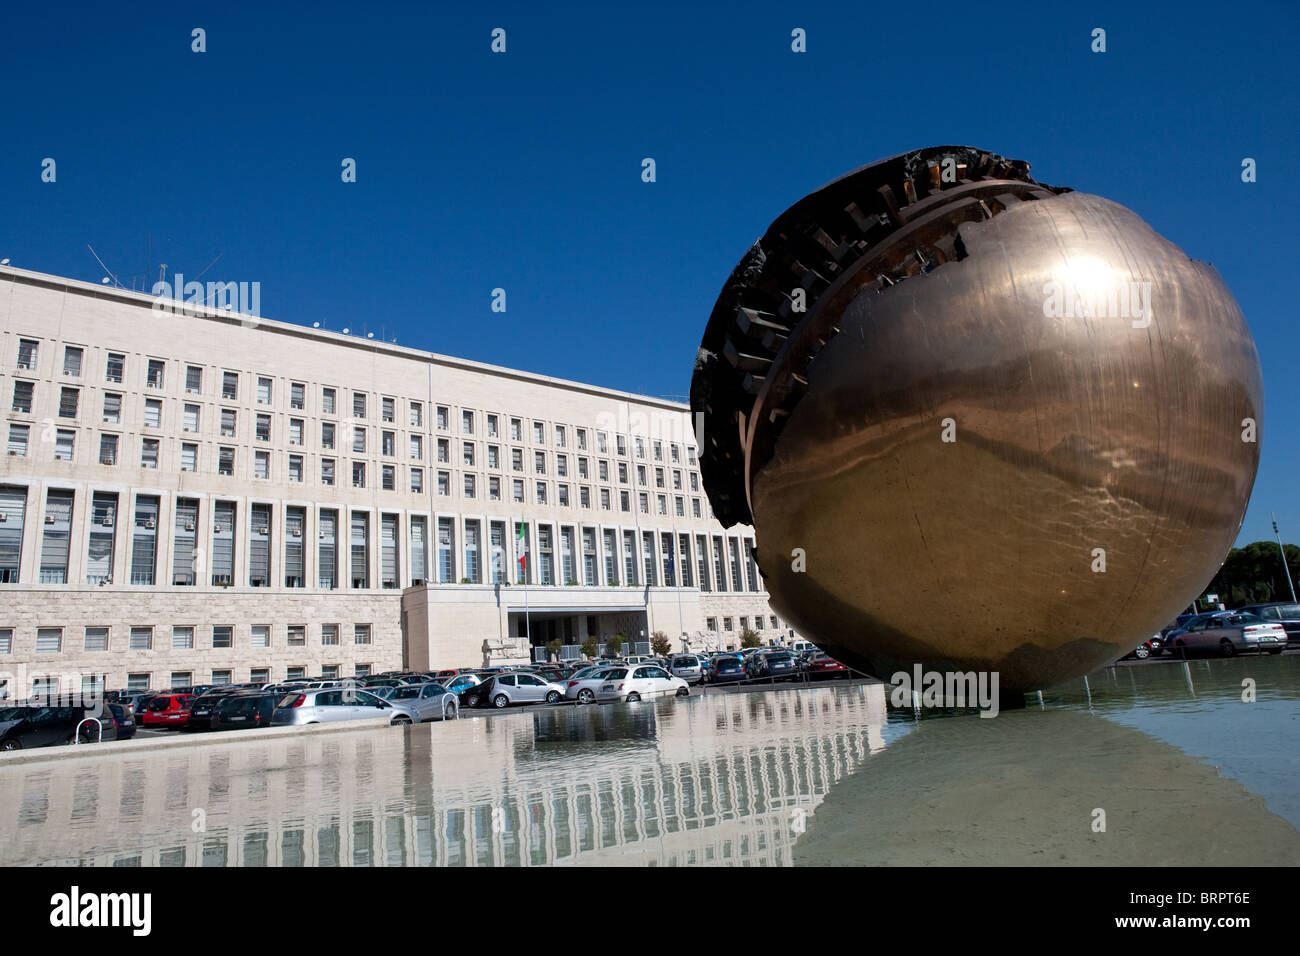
[
  {"x": 823, "y": 665},
  {"x": 167, "y": 710}
]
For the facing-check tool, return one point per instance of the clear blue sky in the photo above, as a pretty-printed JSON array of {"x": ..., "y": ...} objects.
[{"x": 523, "y": 170}]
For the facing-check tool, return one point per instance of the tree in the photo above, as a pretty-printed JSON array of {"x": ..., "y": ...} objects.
[
  {"x": 1254, "y": 574},
  {"x": 553, "y": 648},
  {"x": 615, "y": 644},
  {"x": 660, "y": 644},
  {"x": 590, "y": 647},
  {"x": 749, "y": 638}
]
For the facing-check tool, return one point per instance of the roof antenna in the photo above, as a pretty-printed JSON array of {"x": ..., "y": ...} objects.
[{"x": 102, "y": 266}]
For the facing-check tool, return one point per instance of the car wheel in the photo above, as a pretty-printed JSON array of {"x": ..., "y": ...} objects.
[
  {"x": 682, "y": 692},
  {"x": 500, "y": 701},
  {"x": 585, "y": 696},
  {"x": 450, "y": 712},
  {"x": 472, "y": 701},
  {"x": 633, "y": 697},
  {"x": 1142, "y": 652},
  {"x": 1226, "y": 648},
  {"x": 553, "y": 697},
  {"x": 11, "y": 745}
]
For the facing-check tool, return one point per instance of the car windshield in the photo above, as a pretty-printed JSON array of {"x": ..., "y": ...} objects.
[
  {"x": 159, "y": 703},
  {"x": 727, "y": 662},
  {"x": 1246, "y": 619},
  {"x": 615, "y": 673},
  {"x": 13, "y": 713},
  {"x": 686, "y": 662}
]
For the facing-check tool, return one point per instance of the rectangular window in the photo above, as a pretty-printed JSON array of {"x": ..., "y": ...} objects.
[
  {"x": 149, "y": 453},
  {"x": 230, "y": 386},
  {"x": 112, "y": 408},
  {"x": 523, "y": 561},
  {"x": 115, "y": 367},
  {"x": 546, "y": 554},
  {"x": 494, "y": 489},
  {"x": 388, "y": 569},
  {"x": 684, "y": 556},
  {"x": 182, "y": 638},
  {"x": 417, "y": 481},
  {"x": 517, "y": 490},
  {"x": 223, "y": 543},
  {"x": 262, "y": 428},
  {"x": 359, "y": 439},
  {"x": 417, "y": 415},
  {"x": 358, "y": 404},
  {"x": 589, "y": 565},
  {"x": 417, "y": 448},
  {"x": 388, "y": 478},
  {"x": 262, "y": 464},
  {"x": 492, "y": 426},
  {"x": 358, "y": 474},
  {"x": 154, "y": 373},
  {"x": 96, "y": 639},
  {"x": 263, "y": 391},
  {"x": 444, "y": 483},
  {"x": 228, "y": 423},
  {"x": 56, "y": 537},
  {"x": 194, "y": 379},
  {"x": 295, "y": 523},
  {"x": 327, "y": 435},
  {"x": 18, "y": 436},
  {"x": 328, "y": 400},
  {"x": 137, "y": 682},
  {"x": 629, "y": 557},
  {"x": 516, "y": 430},
  {"x": 329, "y": 635},
  {"x": 611, "y": 557},
  {"x": 297, "y": 395},
  {"x": 702, "y": 562},
  {"x": 144, "y": 539},
  {"x": 103, "y": 534},
  {"x": 419, "y": 549},
  {"x": 223, "y": 635},
  {"x": 189, "y": 457},
  {"x": 49, "y": 640},
  {"x": 259, "y": 546},
  {"x": 388, "y": 410},
  {"x": 497, "y": 543},
  {"x": 64, "y": 444},
  {"x": 68, "y": 401},
  {"x": 141, "y": 638},
  {"x": 327, "y": 555},
  {"x": 184, "y": 538},
  {"x": 361, "y": 634},
  {"x": 360, "y": 550},
  {"x": 296, "y": 635},
  {"x": 388, "y": 444},
  {"x": 442, "y": 414},
  {"x": 469, "y": 486},
  {"x": 446, "y": 551},
  {"x": 295, "y": 468},
  {"x": 190, "y": 418},
  {"x": 467, "y": 422},
  {"x": 27, "y": 353},
  {"x": 648, "y": 556},
  {"x": 467, "y": 454},
  {"x": 327, "y": 471},
  {"x": 473, "y": 567}
]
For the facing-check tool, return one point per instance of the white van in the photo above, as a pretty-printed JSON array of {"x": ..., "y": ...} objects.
[{"x": 798, "y": 647}]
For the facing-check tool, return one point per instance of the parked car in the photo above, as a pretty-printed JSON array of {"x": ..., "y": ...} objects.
[
  {"x": 25, "y": 726},
  {"x": 241, "y": 711},
  {"x": 200, "y": 717},
  {"x": 1176, "y": 630},
  {"x": 1148, "y": 648},
  {"x": 772, "y": 664},
  {"x": 167, "y": 710},
  {"x": 1285, "y": 613},
  {"x": 641, "y": 682},
  {"x": 688, "y": 667},
  {"x": 727, "y": 668},
  {"x": 822, "y": 665},
  {"x": 430, "y": 701},
  {"x": 337, "y": 703},
  {"x": 1228, "y": 634},
  {"x": 585, "y": 684},
  {"x": 123, "y": 720},
  {"x": 523, "y": 688}
]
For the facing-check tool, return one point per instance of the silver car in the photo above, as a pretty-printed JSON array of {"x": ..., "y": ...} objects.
[
  {"x": 689, "y": 668},
  {"x": 1229, "y": 634},
  {"x": 308, "y": 706},
  {"x": 522, "y": 688},
  {"x": 430, "y": 701}
]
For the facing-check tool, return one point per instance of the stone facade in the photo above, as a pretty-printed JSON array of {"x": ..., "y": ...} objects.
[{"x": 170, "y": 469}]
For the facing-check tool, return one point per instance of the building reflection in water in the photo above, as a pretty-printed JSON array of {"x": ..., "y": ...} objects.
[{"x": 721, "y": 779}]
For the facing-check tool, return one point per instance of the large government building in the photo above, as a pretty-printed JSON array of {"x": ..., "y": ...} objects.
[{"x": 193, "y": 494}]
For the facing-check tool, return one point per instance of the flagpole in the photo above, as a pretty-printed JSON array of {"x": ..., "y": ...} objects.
[{"x": 1285, "y": 567}]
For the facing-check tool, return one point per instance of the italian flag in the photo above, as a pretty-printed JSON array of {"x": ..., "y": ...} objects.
[{"x": 523, "y": 548}]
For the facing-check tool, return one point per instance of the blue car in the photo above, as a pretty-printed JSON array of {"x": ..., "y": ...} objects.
[{"x": 726, "y": 668}]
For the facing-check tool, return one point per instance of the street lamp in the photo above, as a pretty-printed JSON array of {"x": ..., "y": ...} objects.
[{"x": 1285, "y": 568}]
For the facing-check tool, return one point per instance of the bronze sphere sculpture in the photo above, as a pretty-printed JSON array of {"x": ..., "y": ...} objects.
[{"x": 977, "y": 422}]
